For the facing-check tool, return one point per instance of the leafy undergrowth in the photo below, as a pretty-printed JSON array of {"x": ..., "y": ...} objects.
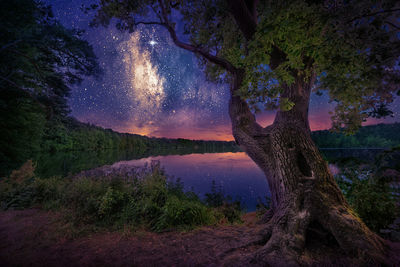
[
  {"x": 148, "y": 200},
  {"x": 369, "y": 193},
  {"x": 372, "y": 200}
]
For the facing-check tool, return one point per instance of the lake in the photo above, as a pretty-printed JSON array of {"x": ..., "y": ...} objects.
[{"x": 235, "y": 173}]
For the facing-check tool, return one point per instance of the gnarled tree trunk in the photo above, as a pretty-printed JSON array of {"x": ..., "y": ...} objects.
[{"x": 307, "y": 205}]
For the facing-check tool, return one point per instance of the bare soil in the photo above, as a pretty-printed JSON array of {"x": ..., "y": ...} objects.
[
  {"x": 35, "y": 237},
  {"x": 32, "y": 238}
]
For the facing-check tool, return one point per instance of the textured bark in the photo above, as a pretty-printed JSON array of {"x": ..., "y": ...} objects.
[{"x": 307, "y": 205}]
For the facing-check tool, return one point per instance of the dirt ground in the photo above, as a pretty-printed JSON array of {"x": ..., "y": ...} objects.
[
  {"x": 28, "y": 239},
  {"x": 35, "y": 237}
]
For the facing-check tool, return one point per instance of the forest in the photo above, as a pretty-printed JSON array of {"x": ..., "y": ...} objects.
[{"x": 372, "y": 136}]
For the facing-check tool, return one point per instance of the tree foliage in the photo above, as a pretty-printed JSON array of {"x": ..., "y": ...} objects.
[
  {"x": 40, "y": 56},
  {"x": 39, "y": 61},
  {"x": 22, "y": 122},
  {"x": 349, "y": 48}
]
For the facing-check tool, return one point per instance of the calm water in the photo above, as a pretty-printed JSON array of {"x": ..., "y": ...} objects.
[{"x": 235, "y": 173}]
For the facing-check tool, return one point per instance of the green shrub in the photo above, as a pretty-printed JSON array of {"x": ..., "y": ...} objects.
[
  {"x": 148, "y": 200},
  {"x": 216, "y": 197},
  {"x": 17, "y": 196},
  {"x": 17, "y": 191},
  {"x": 371, "y": 198},
  {"x": 183, "y": 213},
  {"x": 230, "y": 210},
  {"x": 111, "y": 203},
  {"x": 374, "y": 203}
]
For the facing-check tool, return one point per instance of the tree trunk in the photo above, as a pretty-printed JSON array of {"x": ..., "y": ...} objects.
[{"x": 307, "y": 205}]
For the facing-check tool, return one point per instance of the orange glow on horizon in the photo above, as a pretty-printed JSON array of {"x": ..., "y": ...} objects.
[{"x": 218, "y": 132}]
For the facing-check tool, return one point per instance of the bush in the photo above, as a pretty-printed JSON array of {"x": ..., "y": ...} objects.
[
  {"x": 370, "y": 197},
  {"x": 228, "y": 209},
  {"x": 148, "y": 200},
  {"x": 183, "y": 213}
]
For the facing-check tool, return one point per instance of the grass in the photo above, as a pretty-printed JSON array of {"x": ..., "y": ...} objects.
[{"x": 149, "y": 200}]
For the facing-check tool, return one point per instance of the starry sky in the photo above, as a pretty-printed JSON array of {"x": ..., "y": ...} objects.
[{"x": 151, "y": 87}]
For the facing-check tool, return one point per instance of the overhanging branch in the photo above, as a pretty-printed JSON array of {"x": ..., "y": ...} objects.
[
  {"x": 393, "y": 25},
  {"x": 374, "y": 14},
  {"x": 32, "y": 96},
  {"x": 149, "y": 23},
  {"x": 198, "y": 50},
  {"x": 10, "y": 44}
]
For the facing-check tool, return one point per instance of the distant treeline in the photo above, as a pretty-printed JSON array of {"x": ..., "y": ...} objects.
[
  {"x": 29, "y": 130},
  {"x": 70, "y": 134},
  {"x": 372, "y": 136}
]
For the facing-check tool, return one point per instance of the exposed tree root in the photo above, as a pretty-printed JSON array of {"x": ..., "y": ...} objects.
[{"x": 304, "y": 238}]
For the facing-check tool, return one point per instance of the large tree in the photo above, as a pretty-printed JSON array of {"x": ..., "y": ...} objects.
[{"x": 274, "y": 54}]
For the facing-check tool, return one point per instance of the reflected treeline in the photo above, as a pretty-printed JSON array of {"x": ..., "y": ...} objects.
[{"x": 71, "y": 162}]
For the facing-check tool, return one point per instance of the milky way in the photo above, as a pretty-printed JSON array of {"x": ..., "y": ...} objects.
[
  {"x": 146, "y": 89},
  {"x": 149, "y": 86}
]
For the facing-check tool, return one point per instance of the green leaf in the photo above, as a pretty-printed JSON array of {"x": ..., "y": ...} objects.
[{"x": 285, "y": 104}]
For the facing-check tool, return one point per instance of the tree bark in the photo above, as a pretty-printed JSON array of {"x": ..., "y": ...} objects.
[{"x": 307, "y": 205}]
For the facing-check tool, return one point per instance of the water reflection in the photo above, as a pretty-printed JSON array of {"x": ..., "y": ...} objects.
[
  {"x": 72, "y": 162},
  {"x": 236, "y": 173}
]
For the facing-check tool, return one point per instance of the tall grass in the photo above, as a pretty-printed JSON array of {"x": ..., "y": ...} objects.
[{"x": 147, "y": 200}]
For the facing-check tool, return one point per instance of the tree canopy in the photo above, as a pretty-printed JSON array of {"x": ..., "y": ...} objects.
[
  {"x": 39, "y": 61},
  {"x": 348, "y": 48},
  {"x": 39, "y": 56}
]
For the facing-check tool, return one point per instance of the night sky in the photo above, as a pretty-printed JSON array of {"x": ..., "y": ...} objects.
[{"x": 153, "y": 88}]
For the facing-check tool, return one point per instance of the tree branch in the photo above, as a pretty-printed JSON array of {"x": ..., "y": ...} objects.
[
  {"x": 252, "y": 6},
  {"x": 245, "y": 14},
  {"x": 31, "y": 60},
  {"x": 12, "y": 83},
  {"x": 149, "y": 23},
  {"x": 198, "y": 50},
  {"x": 393, "y": 25},
  {"x": 157, "y": 13},
  {"x": 244, "y": 17},
  {"x": 373, "y": 14},
  {"x": 70, "y": 55},
  {"x": 10, "y": 44},
  {"x": 24, "y": 91}
]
